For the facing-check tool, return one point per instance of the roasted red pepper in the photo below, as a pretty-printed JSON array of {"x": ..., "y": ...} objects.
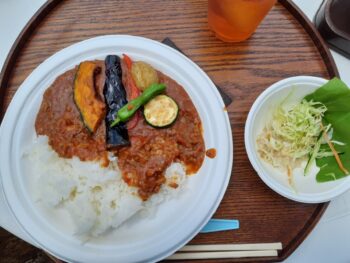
[
  {"x": 132, "y": 91},
  {"x": 127, "y": 61}
]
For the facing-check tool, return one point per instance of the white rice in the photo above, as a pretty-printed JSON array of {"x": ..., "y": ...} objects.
[{"x": 96, "y": 198}]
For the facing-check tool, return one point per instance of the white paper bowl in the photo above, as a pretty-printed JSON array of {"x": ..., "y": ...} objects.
[
  {"x": 307, "y": 190},
  {"x": 177, "y": 221}
]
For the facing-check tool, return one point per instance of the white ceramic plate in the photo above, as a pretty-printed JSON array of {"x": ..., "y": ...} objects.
[
  {"x": 176, "y": 221},
  {"x": 306, "y": 189}
]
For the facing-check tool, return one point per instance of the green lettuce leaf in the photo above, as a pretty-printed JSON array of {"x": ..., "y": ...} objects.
[{"x": 335, "y": 95}]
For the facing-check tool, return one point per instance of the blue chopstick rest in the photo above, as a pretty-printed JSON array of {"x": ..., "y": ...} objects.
[{"x": 215, "y": 225}]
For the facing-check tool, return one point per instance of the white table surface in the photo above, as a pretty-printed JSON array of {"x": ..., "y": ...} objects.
[{"x": 328, "y": 242}]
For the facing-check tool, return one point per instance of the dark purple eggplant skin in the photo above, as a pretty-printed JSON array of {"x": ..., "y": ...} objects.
[{"x": 115, "y": 98}]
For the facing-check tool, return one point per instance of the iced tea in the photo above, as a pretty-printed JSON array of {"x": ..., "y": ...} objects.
[{"x": 236, "y": 20}]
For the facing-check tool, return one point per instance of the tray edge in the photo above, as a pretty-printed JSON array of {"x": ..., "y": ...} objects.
[
  {"x": 310, "y": 29},
  {"x": 28, "y": 29}
]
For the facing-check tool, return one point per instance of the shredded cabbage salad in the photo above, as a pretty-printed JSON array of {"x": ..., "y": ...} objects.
[{"x": 292, "y": 135}]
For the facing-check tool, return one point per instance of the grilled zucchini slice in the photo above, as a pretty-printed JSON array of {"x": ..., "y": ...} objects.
[{"x": 161, "y": 111}]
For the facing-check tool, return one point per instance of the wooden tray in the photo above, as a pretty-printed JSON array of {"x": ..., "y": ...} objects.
[{"x": 286, "y": 44}]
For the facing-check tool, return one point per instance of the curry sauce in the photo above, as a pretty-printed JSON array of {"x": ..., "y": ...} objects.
[{"x": 152, "y": 150}]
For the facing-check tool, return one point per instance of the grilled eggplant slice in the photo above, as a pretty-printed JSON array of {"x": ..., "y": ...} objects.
[
  {"x": 92, "y": 109},
  {"x": 115, "y": 98}
]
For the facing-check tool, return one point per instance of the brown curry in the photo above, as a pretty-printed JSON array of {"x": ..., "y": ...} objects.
[{"x": 152, "y": 150}]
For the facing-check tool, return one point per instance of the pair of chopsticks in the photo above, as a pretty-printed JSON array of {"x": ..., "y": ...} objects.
[{"x": 227, "y": 251}]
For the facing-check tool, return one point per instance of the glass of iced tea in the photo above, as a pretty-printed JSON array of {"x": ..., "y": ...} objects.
[{"x": 236, "y": 20}]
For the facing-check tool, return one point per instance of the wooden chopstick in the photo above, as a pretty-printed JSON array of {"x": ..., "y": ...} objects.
[
  {"x": 227, "y": 251},
  {"x": 232, "y": 247},
  {"x": 223, "y": 254}
]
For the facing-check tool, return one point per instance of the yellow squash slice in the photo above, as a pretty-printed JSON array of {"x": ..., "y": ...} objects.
[{"x": 92, "y": 109}]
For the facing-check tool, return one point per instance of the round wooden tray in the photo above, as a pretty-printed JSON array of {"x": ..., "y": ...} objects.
[{"x": 286, "y": 44}]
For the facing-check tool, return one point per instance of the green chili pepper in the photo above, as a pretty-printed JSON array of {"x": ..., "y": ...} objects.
[{"x": 129, "y": 109}]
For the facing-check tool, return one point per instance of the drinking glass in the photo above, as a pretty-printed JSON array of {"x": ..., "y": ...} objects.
[{"x": 236, "y": 20}]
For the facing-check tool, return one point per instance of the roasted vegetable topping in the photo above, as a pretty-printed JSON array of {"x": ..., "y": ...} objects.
[
  {"x": 161, "y": 111},
  {"x": 127, "y": 111},
  {"x": 143, "y": 74},
  {"x": 87, "y": 100},
  {"x": 115, "y": 97},
  {"x": 127, "y": 61},
  {"x": 132, "y": 92}
]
